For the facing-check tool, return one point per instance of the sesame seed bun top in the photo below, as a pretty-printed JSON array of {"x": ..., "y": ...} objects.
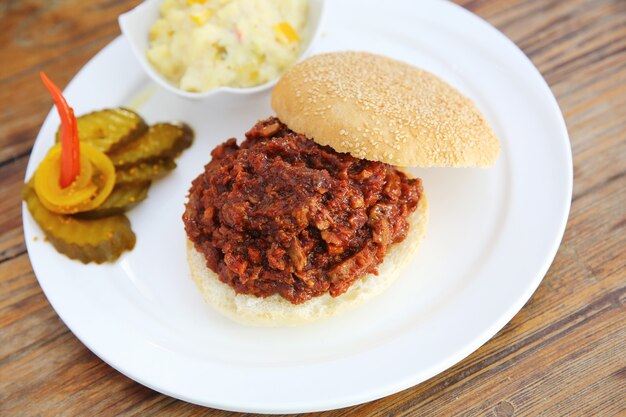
[{"x": 380, "y": 109}]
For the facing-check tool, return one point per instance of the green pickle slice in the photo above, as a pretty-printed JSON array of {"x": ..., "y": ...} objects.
[
  {"x": 144, "y": 171},
  {"x": 99, "y": 240},
  {"x": 109, "y": 129},
  {"x": 162, "y": 140},
  {"x": 123, "y": 197}
]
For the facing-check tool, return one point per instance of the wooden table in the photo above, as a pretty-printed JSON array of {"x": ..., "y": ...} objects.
[{"x": 563, "y": 354}]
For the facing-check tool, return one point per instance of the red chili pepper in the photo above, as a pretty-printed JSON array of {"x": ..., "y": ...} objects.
[{"x": 70, "y": 146}]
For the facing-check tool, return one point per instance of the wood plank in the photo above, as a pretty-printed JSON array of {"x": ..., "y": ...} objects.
[
  {"x": 563, "y": 354},
  {"x": 12, "y": 238},
  {"x": 58, "y": 37}
]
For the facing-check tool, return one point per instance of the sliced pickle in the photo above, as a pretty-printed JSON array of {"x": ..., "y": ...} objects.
[
  {"x": 109, "y": 129},
  {"x": 162, "y": 140},
  {"x": 144, "y": 171},
  {"x": 99, "y": 240},
  {"x": 122, "y": 198}
]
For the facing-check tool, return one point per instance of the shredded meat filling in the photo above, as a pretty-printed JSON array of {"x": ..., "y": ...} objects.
[{"x": 280, "y": 214}]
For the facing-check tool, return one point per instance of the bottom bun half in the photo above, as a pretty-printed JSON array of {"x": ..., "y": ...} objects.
[{"x": 275, "y": 311}]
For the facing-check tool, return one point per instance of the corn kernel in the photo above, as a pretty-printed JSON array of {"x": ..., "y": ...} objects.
[
  {"x": 201, "y": 17},
  {"x": 285, "y": 33}
]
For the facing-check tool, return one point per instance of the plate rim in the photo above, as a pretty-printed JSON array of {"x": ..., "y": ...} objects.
[{"x": 477, "y": 341}]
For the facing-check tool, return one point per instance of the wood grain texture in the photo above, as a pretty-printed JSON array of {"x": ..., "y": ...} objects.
[{"x": 563, "y": 354}]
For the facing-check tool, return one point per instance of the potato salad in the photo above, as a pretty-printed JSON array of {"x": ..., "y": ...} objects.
[{"x": 199, "y": 45}]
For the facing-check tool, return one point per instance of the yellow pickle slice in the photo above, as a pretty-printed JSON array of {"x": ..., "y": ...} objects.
[{"x": 92, "y": 186}]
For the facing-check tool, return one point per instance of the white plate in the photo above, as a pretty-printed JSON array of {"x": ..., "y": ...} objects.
[{"x": 492, "y": 236}]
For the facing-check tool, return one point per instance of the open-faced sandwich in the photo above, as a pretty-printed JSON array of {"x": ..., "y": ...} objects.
[{"x": 311, "y": 215}]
